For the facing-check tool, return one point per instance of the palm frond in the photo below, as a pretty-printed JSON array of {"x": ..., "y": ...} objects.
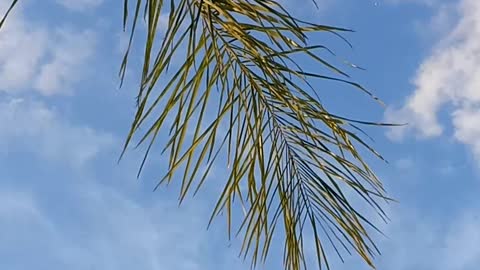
[
  {"x": 290, "y": 161},
  {"x": 289, "y": 158}
]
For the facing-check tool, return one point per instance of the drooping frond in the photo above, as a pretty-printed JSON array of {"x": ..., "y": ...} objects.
[
  {"x": 240, "y": 92},
  {"x": 289, "y": 159}
]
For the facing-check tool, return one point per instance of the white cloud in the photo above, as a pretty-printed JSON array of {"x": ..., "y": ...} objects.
[
  {"x": 35, "y": 128},
  {"x": 404, "y": 164},
  {"x": 22, "y": 47},
  {"x": 33, "y": 57},
  {"x": 97, "y": 227},
  {"x": 415, "y": 240},
  {"x": 462, "y": 241},
  {"x": 449, "y": 76},
  {"x": 467, "y": 129},
  {"x": 80, "y": 5},
  {"x": 21, "y": 221},
  {"x": 68, "y": 56},
  {"x": 442, "y": 20},
  {"x": 20, "y": 206}
]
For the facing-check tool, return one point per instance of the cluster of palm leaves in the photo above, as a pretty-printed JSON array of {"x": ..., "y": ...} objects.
[{"x": 240, "y": 97}]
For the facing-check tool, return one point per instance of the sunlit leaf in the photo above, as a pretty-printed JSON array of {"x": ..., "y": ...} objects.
[{"x": 240, "y": 92}]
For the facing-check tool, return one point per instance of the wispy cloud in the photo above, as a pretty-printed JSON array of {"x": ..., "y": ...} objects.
[
  {"x": 68, "y": 58},
  {"x": 22, "y": 46},
  {"x": 35, "y": 128},
  {"x": 450, "y": 76},
  {"x": 405, "y": 164},
  {"x": 103, "y": 228},
  {"x": 80, "y": 5},
  {"x": 461, "y": 241},
  {"x": 46, "y": 60},
  {"x": 416, "y": 239}
]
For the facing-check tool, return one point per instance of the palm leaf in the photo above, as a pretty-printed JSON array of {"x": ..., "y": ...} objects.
[{"x": 290, "y": 161}]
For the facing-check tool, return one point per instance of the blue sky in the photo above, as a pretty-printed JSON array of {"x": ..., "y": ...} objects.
[{"x": 66, "y": 204}]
